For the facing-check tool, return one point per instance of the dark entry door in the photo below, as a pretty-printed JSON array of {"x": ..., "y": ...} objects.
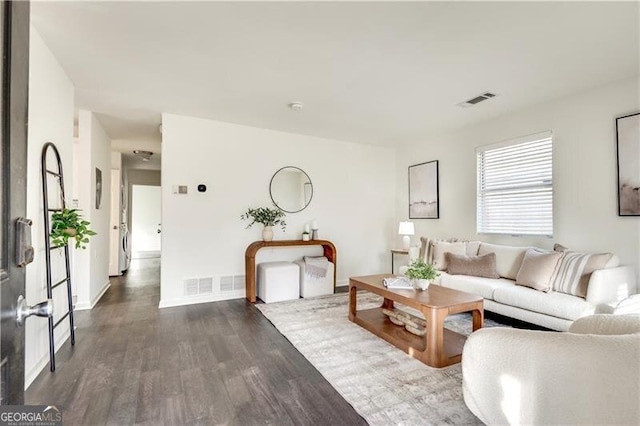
[{"x": 14, "y": 41}]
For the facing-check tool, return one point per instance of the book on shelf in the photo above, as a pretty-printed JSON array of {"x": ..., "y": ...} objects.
[{"x": 397, "y": 282}]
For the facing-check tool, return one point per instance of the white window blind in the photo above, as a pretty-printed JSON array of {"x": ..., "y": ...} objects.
[{"x": 515, "y": 187}]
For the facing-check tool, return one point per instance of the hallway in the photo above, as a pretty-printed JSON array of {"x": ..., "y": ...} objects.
[{"x": 214, "y": 363}]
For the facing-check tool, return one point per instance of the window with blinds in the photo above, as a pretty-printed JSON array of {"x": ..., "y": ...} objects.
[{"x": 515, "y": 187}]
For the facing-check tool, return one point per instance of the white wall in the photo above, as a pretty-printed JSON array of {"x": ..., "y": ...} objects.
[
  {"x": 203, "y": 235},
  {"x": 145, "y": 218},
  {"x": 94, "y": 151},
  {"x": 137, "y": 177},
  {"x": 50, "y": 119},
  {"x": 584, "y": 167}
]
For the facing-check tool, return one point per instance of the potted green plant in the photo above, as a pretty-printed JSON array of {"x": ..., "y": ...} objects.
[
  {"x": 266, "y": 216},
  {"x": 69, "y": 223},
  {"x": 421, "y": 273},
  {"x": 306, "y": 236}
]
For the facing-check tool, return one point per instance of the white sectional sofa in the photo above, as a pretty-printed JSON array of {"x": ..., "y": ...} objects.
[{"x": 607, "y": 286}]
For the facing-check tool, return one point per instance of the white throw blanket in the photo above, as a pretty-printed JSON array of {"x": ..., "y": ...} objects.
[{"x": 316, "y": 267}]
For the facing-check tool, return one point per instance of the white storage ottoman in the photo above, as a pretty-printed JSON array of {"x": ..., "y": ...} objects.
[
  {"x": 315, "y": 286},
  {"x": 278, "y": 281}
]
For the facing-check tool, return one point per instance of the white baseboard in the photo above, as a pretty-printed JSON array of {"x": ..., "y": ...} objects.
[
  {"x": 102, "y": 292},
  {"x": 342, "y": 283},
  {"x": 31, "y": 375},
  {"x": 85, "y": 305},
  {"x": 193, "y": 300}
]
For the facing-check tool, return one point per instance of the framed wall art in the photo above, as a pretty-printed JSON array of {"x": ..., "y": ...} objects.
[
  {"x": 98, "y": 188},
  {"x": 424, "y": 202},
  {"x": 628, "y": 149}
]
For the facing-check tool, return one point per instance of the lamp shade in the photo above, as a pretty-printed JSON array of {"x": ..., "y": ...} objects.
[{"x": 406, "y": 228}]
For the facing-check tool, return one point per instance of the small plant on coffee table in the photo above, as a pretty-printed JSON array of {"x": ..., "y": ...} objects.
[{"x": 420, "y": 270}]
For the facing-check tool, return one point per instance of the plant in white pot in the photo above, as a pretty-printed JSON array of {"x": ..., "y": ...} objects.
[
  {"x": 266, "y": 216},
  {"x": 421, "y": 274}
]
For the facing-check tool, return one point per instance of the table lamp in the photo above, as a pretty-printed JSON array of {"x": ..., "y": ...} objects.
[{"x": 406, "y": 229}]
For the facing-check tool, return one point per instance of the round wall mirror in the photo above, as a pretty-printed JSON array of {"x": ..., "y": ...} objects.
[{"x": 291, "y": 189}]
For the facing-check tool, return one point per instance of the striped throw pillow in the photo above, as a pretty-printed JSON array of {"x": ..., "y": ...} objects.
[
  {"x": 574, "y": 271},
  {"x": 426, "y": 247}
]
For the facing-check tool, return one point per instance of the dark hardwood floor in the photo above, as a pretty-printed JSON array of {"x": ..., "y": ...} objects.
[{"x": 214, "y": 363}]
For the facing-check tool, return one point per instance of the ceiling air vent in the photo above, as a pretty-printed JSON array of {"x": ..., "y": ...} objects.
[{"x": 477, "y": 99}]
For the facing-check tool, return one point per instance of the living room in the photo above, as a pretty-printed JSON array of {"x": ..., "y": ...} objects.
[{"x": 373, "y": 106}]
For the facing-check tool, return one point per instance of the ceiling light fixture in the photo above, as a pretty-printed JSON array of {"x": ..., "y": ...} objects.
[
  {"x": 143, "y": 155},
  {"x": 296, "y": 106}
]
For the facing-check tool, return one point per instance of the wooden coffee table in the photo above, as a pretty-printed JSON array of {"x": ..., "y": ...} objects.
[{"x": 440, "y": 347}]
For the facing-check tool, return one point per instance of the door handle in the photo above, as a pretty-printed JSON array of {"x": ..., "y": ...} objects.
[{"x": 23, "y": 310}]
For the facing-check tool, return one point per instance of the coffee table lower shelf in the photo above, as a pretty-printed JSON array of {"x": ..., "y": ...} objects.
[
  {"x": 379, "y": 324},
  {"x": 439, "y": 347}
]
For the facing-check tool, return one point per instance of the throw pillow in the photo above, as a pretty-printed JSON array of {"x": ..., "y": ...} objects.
[
  {"x": 508, "y": 258},
  {"x": 477, "y": 266},
  {"x": 426, "y": 247},
  {"x": 441, "y": 247},
  {"x": 538, "y": 268},
  {"x": 559, "y": 247},
  {"x": 574, "y": 271},
  {"x": 472, "y": 248}
]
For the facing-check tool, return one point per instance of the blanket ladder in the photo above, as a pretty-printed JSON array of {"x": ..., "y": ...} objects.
[{"x": 57, "y": 174}]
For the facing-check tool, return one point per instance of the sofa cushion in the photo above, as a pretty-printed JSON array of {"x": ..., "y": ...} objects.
[
  {"x": 538, "y": 268},
  {"x": 574, "y": 271},
  {"x": 440, "y": 248},
  {"x": 555, "y": 304},
  {"x": 476, "y": 285},
  {"x": 477, "y": 266},
  {"x": 508, "y": 258}
]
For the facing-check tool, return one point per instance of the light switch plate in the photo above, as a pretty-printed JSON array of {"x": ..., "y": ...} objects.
[{"x": 179, "y": 189}]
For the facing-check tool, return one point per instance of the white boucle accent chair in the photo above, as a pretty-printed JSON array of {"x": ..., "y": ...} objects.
[{"x": 588, "y": 375}]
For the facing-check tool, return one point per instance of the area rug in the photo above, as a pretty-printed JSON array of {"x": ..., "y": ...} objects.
[{"x": 383, "y": 384}]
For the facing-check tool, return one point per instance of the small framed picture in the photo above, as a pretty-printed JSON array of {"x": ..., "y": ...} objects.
[
  {"x": 98, "y": 188},
  {"x": 424, "y": 202}
]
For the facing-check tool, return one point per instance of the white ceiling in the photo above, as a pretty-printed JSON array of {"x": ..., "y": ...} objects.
[{"x": 372, "y": 72}]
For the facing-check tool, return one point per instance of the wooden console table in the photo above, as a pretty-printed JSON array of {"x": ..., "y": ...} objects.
[{"x": 250, "y": 259}]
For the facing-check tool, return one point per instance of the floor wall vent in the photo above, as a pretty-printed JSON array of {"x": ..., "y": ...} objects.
[
  {"x": 205, "y": 285},
  {"x": 191, "y": 287},
  {"x": 197, "y": 286},
  {"x": 238, "y": 282},
  {"x": 232, "y": 283},
  {"x": 226, "y": 283}
]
